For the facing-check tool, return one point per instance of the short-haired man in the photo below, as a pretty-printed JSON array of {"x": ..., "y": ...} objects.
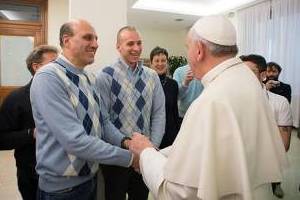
[
  {"x": 71, "y": 124},
  {"x": 220, "y": 152},
  {"x": 135, "y": 100},
  {"x": 17, "y": 125},
  {"x": 273, "y": 84},
  {"x": 279, "y": 104}
]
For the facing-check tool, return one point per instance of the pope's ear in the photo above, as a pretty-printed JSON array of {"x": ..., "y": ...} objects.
[{"x": 200, "y": 48}]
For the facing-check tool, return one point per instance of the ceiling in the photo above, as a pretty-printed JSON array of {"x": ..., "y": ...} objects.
[
  {"x": 158, "y": 20},
  {"x": 171, "y": 21},
  {"x": 150, "y": 19}
]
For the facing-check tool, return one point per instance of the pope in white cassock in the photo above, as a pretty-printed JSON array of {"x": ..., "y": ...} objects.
[{"x": 228, "y": 147}]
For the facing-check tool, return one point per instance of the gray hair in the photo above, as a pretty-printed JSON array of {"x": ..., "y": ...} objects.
[
  {"x": 36, "y": 56},
  {"x": 215, "y": 49},
  {"x": 65, "y": 29}
]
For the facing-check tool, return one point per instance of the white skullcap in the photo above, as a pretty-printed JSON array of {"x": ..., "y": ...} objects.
[{"x": 216, "y": 29}]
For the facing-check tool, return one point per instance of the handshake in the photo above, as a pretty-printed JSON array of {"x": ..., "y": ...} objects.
[{"x": 136, "y": 144}]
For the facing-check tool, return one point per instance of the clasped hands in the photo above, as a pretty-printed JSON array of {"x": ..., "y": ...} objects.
[{"x": 136, "y": 145}]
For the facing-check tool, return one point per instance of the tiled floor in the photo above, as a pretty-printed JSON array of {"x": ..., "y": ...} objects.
[
  {"x": 8, "y": 184},
  {"x": 8, "y": 181},
  {"x": 291, "y": 181}
]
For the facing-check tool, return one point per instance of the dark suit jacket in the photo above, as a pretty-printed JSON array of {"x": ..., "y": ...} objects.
[
  {"x": 170, "y": 87},
  {"x": 15, "y": 120}
]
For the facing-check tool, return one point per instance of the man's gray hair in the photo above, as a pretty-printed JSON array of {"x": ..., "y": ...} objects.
[
  {"x": 36, "y": 55},
  {"x": 65, "y": 29},
  {"x": 215, "y": 49}
]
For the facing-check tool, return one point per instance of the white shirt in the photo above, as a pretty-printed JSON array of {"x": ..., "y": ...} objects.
[
  {"x": 220, "y": 152},
  {"x": 281, "y": 109}
]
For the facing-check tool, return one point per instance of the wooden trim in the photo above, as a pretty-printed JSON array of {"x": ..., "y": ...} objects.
[
  {"x": 44, "y": 19},
  {"x": 24, "y": 30},
  {"x": 17, "y": 29},
  {"x": 19, "y": 23},
  {"x": 4, "y": 91},
  {"x": 23, "y": 2},
  {"x": 37, "y": 29}
]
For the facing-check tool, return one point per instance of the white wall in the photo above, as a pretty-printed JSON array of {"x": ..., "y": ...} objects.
[
  {"x": 58, "y": 13},
  {"x": 107, "y": 17},
  {"x": 173, "y": 41}
]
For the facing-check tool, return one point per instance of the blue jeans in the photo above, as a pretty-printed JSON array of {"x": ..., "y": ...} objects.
[{"x": 84, "y": 191}]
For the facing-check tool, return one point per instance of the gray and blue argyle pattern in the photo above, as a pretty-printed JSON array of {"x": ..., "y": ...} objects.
[
  {"x": 80, "y": 88},
  {"x": 131, "y": 98}
]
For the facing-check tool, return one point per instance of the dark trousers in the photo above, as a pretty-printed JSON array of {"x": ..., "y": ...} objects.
[
  {"x": 120, "y": 180},
  {"x": 27, "y": 182},
  {"x": 84, "y": 191}
]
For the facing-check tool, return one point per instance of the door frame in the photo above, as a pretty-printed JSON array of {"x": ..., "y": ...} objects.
[{"x": 35, "y": 29}]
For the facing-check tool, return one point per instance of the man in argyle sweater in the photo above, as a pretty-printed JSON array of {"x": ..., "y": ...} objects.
[
  {"x": 73, "y": 132},
  {"x": 135, "y": 100}
]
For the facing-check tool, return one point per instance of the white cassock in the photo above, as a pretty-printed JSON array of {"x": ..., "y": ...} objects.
[{"x": 229, "y": 146}]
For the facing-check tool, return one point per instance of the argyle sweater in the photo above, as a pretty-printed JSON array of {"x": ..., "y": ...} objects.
[
  {"x": 134, "y": 99},
  {"x": 87, "y": 106},
  {"x": 69, "y": 126}
]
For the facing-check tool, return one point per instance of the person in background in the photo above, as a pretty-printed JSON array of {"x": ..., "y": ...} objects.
[
  {"x": 228, "y": 147},
  {"x": 73, "y": 130},
  {"x": 279, "y": 104},
  {"x": 17, "y": 124},
  {"x": 273, "y": 84},
  {"x": 159, "y": 62},
  {"x": 135, "y": 100},
  {"x": 189, "y": 89}
]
